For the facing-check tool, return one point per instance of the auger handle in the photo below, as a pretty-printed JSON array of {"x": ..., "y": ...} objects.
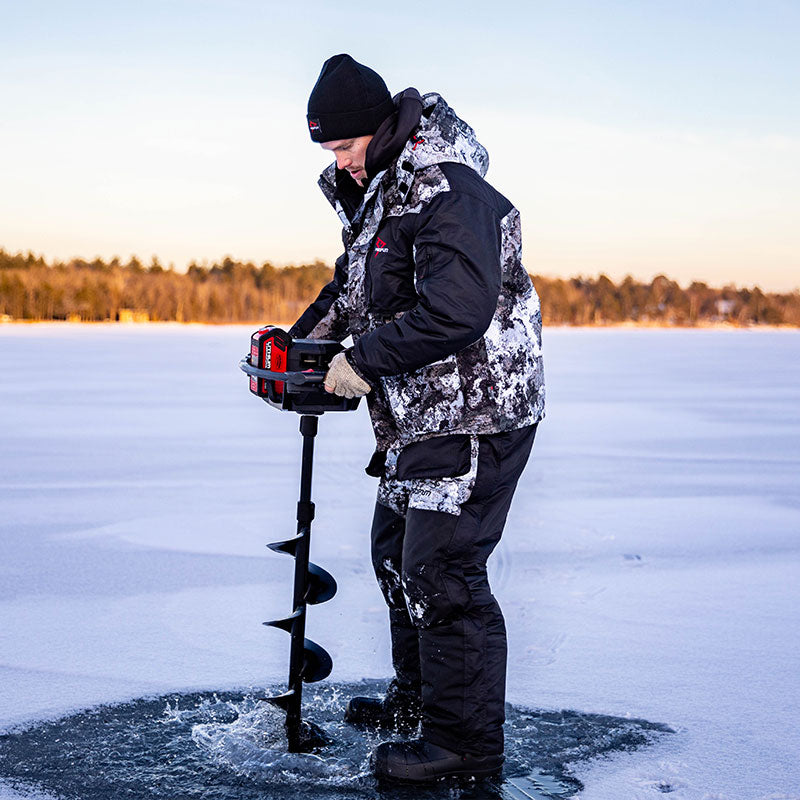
[{"x": 309, "y": 378}]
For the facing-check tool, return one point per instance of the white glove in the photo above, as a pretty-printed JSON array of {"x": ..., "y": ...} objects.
[{"x": 341, "y": 379}]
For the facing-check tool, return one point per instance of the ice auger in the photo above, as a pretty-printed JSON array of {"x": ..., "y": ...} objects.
[{"x": 288, "y": 374}]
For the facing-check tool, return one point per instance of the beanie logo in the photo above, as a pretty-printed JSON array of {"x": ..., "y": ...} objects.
[
  {"x": 314, "y": 126},
  {"x": 380, "y": 246}
]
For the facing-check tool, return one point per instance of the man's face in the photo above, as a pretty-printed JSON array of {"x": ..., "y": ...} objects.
[{"x": 351, "y": 154}]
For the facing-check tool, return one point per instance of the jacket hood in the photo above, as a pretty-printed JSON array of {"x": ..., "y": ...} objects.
[{"x": 441, "y": 136}]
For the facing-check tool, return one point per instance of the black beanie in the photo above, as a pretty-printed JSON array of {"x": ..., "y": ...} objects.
[{"x": 348, "y": 100}]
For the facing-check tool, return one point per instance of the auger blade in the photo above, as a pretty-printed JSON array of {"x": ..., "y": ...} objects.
[
  {"x": 289, "y": 546},
  {"x": 281, "y": 700},
  {"x": 317, "y": 664},
  {"x": 286, "y": 623},
  {"x": 321, "y": 585}
]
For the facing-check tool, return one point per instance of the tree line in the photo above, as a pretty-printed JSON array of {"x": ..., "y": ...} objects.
[{"x": 235, "y": 291}]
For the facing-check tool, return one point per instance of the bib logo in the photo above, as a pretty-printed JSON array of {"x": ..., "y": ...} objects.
[{"x": 380, "y": 246}]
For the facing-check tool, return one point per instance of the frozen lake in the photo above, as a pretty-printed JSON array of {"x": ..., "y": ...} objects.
[{"x": 650, "y": 567}]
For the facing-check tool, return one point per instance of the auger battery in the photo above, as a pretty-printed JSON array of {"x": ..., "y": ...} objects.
[
  {"x": 273, "y": 349},
  {"x": 268, "y": 350}
]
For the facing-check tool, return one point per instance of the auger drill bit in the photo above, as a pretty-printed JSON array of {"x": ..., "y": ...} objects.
[
  {"x": 289, "y": 375},
  {"x": 308, "y": 662}
]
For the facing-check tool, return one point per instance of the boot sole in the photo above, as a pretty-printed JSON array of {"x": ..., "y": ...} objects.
[{"x": 459, "y": 775}]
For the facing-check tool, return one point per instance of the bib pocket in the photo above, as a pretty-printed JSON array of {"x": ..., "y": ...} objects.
[{"x": 440, "y": 457}]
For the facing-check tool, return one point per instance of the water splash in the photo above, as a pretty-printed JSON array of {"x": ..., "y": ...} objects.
[{"x": 254, "y": 745}]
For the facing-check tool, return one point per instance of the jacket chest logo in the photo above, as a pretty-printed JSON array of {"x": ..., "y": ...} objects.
[{"x": 380, "y": 247}]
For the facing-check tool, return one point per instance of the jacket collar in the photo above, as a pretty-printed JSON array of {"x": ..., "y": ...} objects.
[{"x": 327, "y": 183}]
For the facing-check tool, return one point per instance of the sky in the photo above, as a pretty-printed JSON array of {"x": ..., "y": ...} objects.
[{"x": 636, "y": 138}]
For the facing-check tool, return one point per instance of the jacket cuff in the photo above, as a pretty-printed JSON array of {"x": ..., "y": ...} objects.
[{"x": 351, "y": 360}]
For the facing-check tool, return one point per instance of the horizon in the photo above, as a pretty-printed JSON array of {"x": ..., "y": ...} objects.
[
  {"x": 633, "y": 140},
  {"x": 208, "y": 264}
]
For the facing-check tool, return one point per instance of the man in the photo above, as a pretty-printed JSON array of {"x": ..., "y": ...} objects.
[{"x": 447, "y": 349}]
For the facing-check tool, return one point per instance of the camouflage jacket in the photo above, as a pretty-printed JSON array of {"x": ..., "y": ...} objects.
[{"x": 445, "y": 321}]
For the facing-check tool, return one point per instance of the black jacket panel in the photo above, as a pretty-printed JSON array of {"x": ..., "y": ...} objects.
[
  {"x": 390, "y": 280},
  {"x": 457, "y": 283}
]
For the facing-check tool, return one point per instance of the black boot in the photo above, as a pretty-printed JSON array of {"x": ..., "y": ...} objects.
[
  {"x": 398, "y": 711},
  {"x": 419, "y": 761}
]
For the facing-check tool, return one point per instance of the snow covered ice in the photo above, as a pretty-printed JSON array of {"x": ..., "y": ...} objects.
[{"x": 650, "y": 567}]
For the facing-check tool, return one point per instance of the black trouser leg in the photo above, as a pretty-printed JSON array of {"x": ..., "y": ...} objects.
[
  {"x": 462, "y": 637},
  {"x": 388, "y": 530}
]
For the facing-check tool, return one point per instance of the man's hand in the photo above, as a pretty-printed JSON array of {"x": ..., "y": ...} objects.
[{"x": 342, "y": 380}]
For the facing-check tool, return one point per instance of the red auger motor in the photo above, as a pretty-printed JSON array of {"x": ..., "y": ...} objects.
[{"x": 288, "y": 373}]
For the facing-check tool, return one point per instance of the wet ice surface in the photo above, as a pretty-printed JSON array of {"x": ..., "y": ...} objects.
[
  {"x": 649, "y": 568},
  {"x": 231, "y": 746}
]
